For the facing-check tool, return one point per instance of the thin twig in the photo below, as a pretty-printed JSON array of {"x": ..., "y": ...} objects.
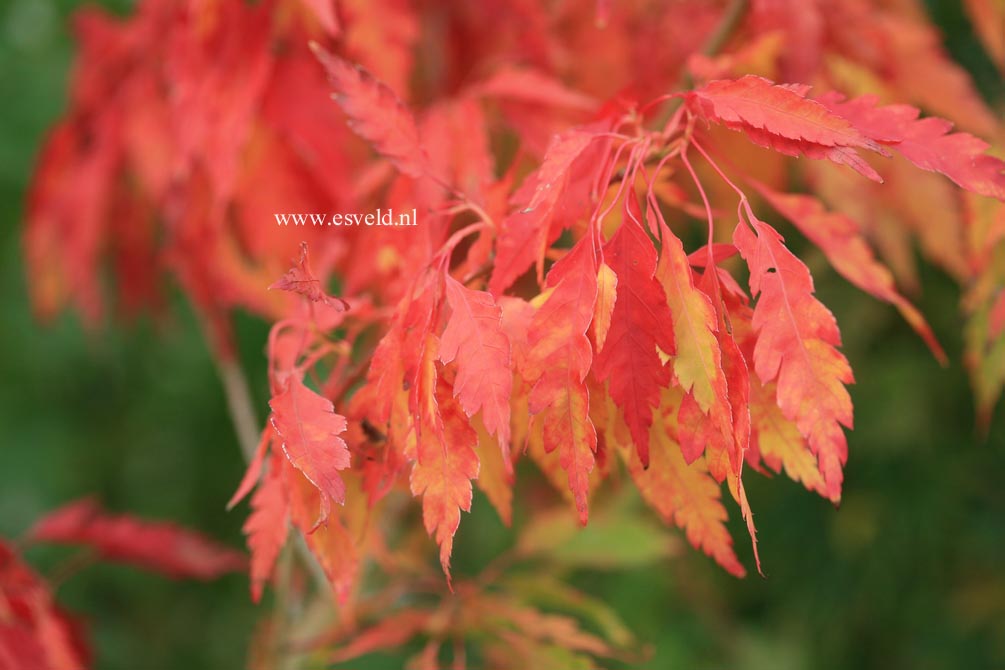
[{"x": 242, "y": 411}]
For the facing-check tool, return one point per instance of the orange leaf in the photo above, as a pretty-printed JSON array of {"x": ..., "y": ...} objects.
[
  {"x": 796, "y": 340},
  {"x": 446, "y": 460},
  {"x": 780, "y": 117},
  {"x": 683, "y": 494},
  {"x": 928, "y": 143}
]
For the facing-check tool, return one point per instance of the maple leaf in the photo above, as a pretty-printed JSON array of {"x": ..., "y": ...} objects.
[
  {"x": 782, "y": 118},
  {"x": 683, "y": 494},
  {"x": 266, "y": 529},
  {"x": 927, "y": 143},
  {"x": 301, "y": 279},
  {"x": 526, "y": 233},
  {"x": 559, "y": 360},
  {"x": 796, "y": 340},
  {"x": 158, "y": 546},
  {"x": 475, "y": 339},
  {"x": 778, "y": 442},
  {"x": 376, "y": 114},
  {"x": 640, "y": 326},
  {"x": 446, "y": 461},
  {"x": 706, "y": 415},
  {"x": 331, "y": 543},
  {"x": 846, "y": 249},
  {"x": 309, "y": 429},
  {"x": 697, "y": 363},
  {"x": 34, "y": 631}
]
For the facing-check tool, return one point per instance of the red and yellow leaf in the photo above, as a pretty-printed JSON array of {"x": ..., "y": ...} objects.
[
  {"x": 683, "y": 494},
  {"x": 559, "y": 360}
]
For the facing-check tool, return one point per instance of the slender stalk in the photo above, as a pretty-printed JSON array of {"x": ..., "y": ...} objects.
[{"x": 242, "y": 410}]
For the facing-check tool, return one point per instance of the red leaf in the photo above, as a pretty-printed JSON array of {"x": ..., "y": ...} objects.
[
  {"x": 845, "y": 247},
  {"x": 928, "y": 142},
  {"x": 158, "y": 546},
  {"x": 796, "y": 343},
  {"x": 34, "y": 632},
  {"x": 266, "y": 529},
  {"x": 641, "y": 324},
  {"x": 474, "y": 337},
  {"x": 526, "y": 233},
  {"x": 780, "y": 117},
  {"x": 300, "y": 279},
  {"x": 559, "y": 360},
  {"x": 309, "y": 429},
  {"x": 376, "y": 114}
]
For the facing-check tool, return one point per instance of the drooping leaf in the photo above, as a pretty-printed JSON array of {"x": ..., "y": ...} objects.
[
  {"x": 641, "y": 325},
  {"x": 796, "y": 340},
  {"x": 928, "y": 143},
  {"x": 607, "y": 296},
  {"x": 526, "y": 233},
  {"x": 682, "y": 494},
  {"x": 446, "y": 461},
  {"x": 777, "y": 441},
  {"x": 559, "y": 360},
  {"x": 266, "y": 529},
  {"x": 153, "y": 545},
  {"x": 845, "y": 247}
]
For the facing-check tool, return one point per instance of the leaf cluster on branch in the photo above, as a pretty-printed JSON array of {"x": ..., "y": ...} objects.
[{"x": 598, "y": 284}]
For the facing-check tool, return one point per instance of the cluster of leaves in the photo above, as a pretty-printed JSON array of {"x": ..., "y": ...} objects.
[{"x": 594, "y": 182}]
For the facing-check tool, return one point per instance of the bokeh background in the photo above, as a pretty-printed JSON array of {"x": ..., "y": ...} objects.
[{"x": 909, "y": 573}]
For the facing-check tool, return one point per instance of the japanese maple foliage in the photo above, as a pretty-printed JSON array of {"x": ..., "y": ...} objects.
[{"x": 551, "y": 304}]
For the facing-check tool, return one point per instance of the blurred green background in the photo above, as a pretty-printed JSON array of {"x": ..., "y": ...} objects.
[{"x": 909, "y": 573}]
